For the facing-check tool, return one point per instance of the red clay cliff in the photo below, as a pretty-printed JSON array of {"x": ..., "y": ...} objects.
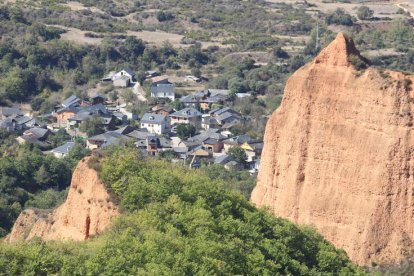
[
  {"x": 87, "y": 211},
  {"x": 339, "y": 155}
]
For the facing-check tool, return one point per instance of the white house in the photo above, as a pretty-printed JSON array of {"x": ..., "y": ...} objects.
[
  {"x": 156, "y": 123},
  {"x": 163, "y": 90},
  {"x": 122, "y": 81},
  {"x": 122, "y": 78}
]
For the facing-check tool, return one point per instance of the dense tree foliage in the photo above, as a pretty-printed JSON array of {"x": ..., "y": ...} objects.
[
  {"x": 237, "y": 154},
  {"x": 181, "y": 222},
  {"x": 30, "y": 178},
  {"x": 184, "y": 131},
  {"x": 240, "y": 181},
  {"x": 339, "y": 17},
  {"x": 364, "y": 13},
  {"x": 92, "y": 126}
]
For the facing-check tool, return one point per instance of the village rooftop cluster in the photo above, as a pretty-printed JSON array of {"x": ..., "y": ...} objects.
[{"x": 198, "y": 133}]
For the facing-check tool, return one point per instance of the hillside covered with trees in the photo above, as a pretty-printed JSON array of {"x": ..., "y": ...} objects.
[{"x": 176, "y": 221}]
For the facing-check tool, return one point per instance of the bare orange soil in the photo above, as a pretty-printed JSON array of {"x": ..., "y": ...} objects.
[
  {"x": 88, "y": 210},
  {"x": 339, "y": 155}
]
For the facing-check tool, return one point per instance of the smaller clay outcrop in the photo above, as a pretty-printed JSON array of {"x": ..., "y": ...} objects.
[{"x": 87, "y": 211}]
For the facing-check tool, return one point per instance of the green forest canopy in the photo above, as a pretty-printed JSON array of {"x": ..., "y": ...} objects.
[{"x": 178, "y": 221}]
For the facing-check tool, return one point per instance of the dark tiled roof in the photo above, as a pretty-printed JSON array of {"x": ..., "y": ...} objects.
[
  {"x": 129, "y": 71},
  {"x": 187, "y": 113},
  {"x": 64, "y": 148},
  {"x": 7, "y": 123},
  {"x": 139, "y": 134},
  {"x": 109, "y": 137},
  {"x": 36, "y": 132},
  {"x": 22, "y": 119},
  {"x": 238, "y": 139},
  {"x": 190, "y": 99},
  {"x": 9, "y": 111},
  {"x": 222, "y": 159},
  {"x": 71, "y": 101},
  {"x": 163, "y": 88},
  {"x": 125, "y": 130},
  {"x": 152, "y": 118}
]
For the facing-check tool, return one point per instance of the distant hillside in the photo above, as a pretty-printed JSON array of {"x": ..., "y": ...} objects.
[{"x": 177, "y": 222}]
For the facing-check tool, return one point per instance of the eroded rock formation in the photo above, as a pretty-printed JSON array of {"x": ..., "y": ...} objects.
[
  {"x": 87, "y": 211},
  {"x": 339, "y": 155}
]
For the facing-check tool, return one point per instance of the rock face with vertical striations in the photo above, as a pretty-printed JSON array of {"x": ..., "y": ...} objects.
[
  {"x": 339, "y": 155},
  {"x": 87, "y": 211}
]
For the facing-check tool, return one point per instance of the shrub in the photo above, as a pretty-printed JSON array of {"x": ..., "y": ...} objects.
[
  {"x": 164, "y": 16},
  {"x": 339, "y": 17},
  {"x": 364, "y": 13}
]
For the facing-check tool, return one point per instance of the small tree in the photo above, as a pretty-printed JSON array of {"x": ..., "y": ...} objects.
[
  {"x": 184, "y": 131},
  {"x": 237, "y": 154},
  {"x": 339, "y": 17},
  {"x": 164, "y": 16},
  {"x": 280, "y": 53},
  {"x": 364, "y": 13},
  {"x": 140, "y": 76},
  {"x": 178, "y": 105},
  {"x": 92, "y": 126}
]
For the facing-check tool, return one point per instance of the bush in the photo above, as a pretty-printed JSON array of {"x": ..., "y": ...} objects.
[
  {"x": 364, "y": 13},
  {"x": 164, "y": 16},
  {"x": 47, "y": 199},
  {"x": 184, "y": 131},
  {"x": 92, "y": 126},
  {"x": 339, "y": 17},
  {"x": 237, "y": 154},
  {"x": 280, "y": 53}
]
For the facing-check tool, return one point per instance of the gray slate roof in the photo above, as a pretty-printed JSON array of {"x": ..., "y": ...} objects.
[
  {"x": 125, "y": 130},
  {"x": 222, "y": 159},
  {"x": 219, "y": 111},
  {"x": 36, "y": 132},
  {"x": 190, "y": 99},
  {"x": 129, "y": 71},
  {"x": 241, "y": 139},
  {"x": 71, "y": 101},
  {"x": 187, "y": 113},
  {"x": 203, "y": 136},
  {"x": 64, "y": 148},
  {"x": 7, "y": 124},
  {"x": 9, "y": 111},
  {"x": 109, "y": 138},
  {"x": 163, "y": 88},
  {"x": 152, "y": 118},
  {"x": 22, "y": 119},
  {"x": 139, "y": 134}
]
